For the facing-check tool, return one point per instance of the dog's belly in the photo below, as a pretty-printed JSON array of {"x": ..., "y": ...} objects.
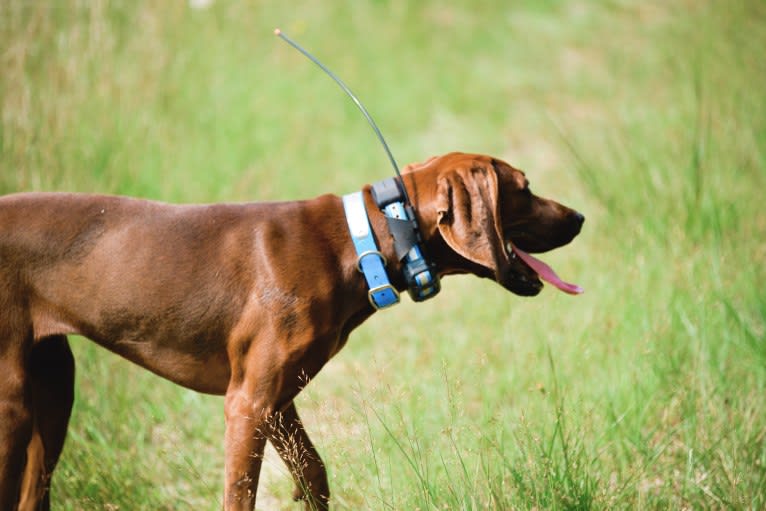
[
  {"x": 209, "y": 373},
  {"x": 196, "y": 362},
  {"x": 180, "y": 341}
]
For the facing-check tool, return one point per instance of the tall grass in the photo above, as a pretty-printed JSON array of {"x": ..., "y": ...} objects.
[{"x": 646, "y": 392}]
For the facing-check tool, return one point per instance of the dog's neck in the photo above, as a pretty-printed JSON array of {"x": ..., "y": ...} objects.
[
  {"x": 422, "y": 193},
  {"x": 385, "y": 241},
  {"x": 381, "y": 225}
]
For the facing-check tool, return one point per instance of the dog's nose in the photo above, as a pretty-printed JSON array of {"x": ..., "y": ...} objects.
[{"x": 576, "y": 220}]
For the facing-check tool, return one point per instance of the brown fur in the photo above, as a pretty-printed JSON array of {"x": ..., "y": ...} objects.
[{"x": 243, "y": 300}]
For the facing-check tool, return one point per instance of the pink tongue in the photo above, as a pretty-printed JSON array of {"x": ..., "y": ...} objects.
[{"x": 546, "y": 273}]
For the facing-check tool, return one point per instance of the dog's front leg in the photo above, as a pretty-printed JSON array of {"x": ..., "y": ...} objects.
[
  {"x": 246, "y": 415},
  {"x": 299, "y": 454},
  {"x": 266, "y": 375}
]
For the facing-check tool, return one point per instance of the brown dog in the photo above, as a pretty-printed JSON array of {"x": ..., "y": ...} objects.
[{"x": 244, "y": 300}]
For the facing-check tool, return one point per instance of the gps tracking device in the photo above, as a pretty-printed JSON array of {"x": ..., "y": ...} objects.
[
  {"x": 390, "y": 195},
  {"x": 420, "y": 276}
]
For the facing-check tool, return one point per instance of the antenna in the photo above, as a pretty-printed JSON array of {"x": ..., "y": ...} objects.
[{"x": 279, "y": 33}]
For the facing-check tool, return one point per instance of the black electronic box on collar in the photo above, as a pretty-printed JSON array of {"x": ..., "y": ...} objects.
[{"x": 420, "y": 276}]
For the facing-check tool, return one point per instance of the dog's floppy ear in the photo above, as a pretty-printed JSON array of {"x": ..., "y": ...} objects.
[{"x": 468, "y": 215}]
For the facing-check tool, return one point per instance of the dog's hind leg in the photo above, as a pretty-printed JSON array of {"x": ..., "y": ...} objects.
[
  {"x": 15, "y": 412},
  {"x": 51, "y": 385}
]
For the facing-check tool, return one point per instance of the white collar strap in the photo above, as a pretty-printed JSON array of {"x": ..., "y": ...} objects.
[{"x": 369, "y": 259}]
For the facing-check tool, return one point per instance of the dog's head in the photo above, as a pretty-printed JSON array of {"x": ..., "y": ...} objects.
[{"x": 483, "y": 210}]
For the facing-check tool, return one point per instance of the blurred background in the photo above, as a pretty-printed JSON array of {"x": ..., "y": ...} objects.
[{"x": 646, "y": 392}]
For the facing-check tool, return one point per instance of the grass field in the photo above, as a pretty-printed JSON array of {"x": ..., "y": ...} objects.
[{"x": 647, "y": 392}]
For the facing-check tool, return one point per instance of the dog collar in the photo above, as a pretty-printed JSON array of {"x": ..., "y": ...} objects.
[{"x": 369, "y": 259}]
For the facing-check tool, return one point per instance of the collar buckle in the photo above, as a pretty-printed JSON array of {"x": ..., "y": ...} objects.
[{"x": 383, "y": 296}]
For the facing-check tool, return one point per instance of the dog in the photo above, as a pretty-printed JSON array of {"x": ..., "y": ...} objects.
[{"x": 247, "y": 301}]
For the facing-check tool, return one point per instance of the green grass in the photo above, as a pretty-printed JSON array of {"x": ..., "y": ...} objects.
[{"x": 647, "y": 392}]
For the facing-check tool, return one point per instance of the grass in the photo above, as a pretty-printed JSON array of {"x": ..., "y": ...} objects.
[{"x": 648, "y": 392}]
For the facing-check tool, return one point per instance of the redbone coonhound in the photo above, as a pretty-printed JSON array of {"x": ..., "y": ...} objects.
[{"x": 242, "y": 300}]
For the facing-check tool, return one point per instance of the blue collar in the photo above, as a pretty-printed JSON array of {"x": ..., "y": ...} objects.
[{"x": 369, "y": 259}]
